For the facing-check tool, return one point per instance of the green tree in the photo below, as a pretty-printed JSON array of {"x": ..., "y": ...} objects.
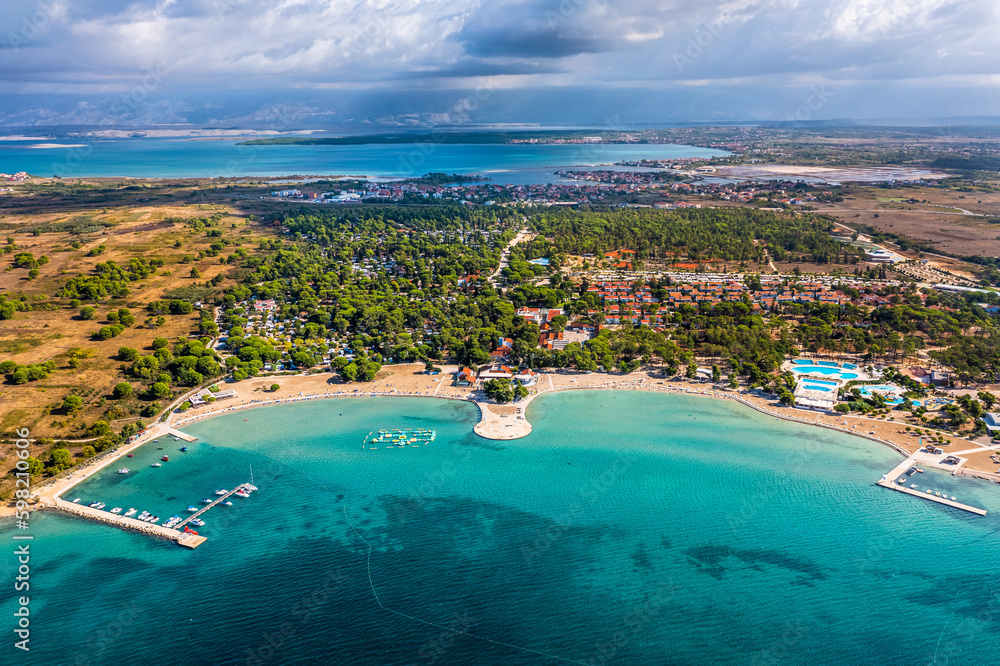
[
  {"x": 89, "y": 313},
  {"x": 72, "y": 404},
  {"x": 716, "y": 373},
  {"x": 733, "y": 382},
  {"x": 127, "y": 353},
  {"x": 275, "y": 387},
  {"x": 61, "y": 458},
  {"x": 520, "y": 392},
  {"x": 692, "y": 371},
  {"x": 35, "y": 466},
  {"x": 122, "y": 390},
  {"x": 499, "y": 390},
  {"x": 159, "y": 390}
]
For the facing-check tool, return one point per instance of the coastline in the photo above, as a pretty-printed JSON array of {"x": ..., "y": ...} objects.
[{"x": 498, "y": 422}]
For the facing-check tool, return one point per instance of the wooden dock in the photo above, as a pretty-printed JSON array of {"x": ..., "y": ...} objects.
[
  {"x": 222, "y": 498},
  {"x": 890, "y": 481}
]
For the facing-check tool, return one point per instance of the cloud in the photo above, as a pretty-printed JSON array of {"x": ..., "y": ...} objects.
[{"x": 270, "y": 45}]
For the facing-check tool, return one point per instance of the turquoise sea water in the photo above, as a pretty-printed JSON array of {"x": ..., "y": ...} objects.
[
  {"x": 177, "y": 158},
  {"x": 629, "y": 528}
]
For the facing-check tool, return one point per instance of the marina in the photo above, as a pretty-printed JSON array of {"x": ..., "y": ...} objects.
[
  {"x": 246, "y": 489},
  {"x": 900, "y": 475}
]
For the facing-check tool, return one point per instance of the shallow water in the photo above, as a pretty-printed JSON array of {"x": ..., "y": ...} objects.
[{"x": 629, "y": 527}]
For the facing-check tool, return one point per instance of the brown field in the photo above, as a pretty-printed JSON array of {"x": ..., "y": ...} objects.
[
  {"x": 36, "y": 336},
  {"x": 936, "y": 223}
]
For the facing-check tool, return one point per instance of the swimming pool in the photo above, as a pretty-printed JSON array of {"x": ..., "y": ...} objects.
[
  {"x": 879, "y": 388},
  {"x": 822, "y": 382},
  {"x": 814, "y": 387},
  {"x": 822, "y": 370}
]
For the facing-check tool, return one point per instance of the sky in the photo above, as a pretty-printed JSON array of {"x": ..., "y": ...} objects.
[{"x": 426, "y": 62}]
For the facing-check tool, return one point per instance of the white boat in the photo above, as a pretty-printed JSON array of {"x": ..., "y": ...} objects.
[
  {"x": 123, "y": 470},
  {"x": 76, "y": 500},
  {"x": 143, "y": 516},
  {"x": 242, "y": 493},
  {"x": 130, "y": 512},
  {"x": 197, "y": 522},
  {"x": 100, "y": 505},
  {"x": 207, "y": 500},
  {"x": 221, "y": 492},
  {"x": 93, "y": 505},
  {"x": 192, "y": 509},
  {"x": 227, "y": 503},
  {"x": 117, "y": 509},
  {"x": 156, "y": 465}
]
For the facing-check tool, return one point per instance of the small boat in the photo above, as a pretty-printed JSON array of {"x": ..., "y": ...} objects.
[
  {"x": 207, "y": 500},
  {"x": 952, "y": 499},
  {"x": 197, "y": 522},
  {"x": 117, "y": 509},
  {"x": 165, "y": 458},
  {"x": 938, "y": 494},
  {"x": 129, "y": 455},
  {"x": 184, "y": 448},
  {"x": 223, "y": 491},
  {"x": 153, "y": 519},
  {"x": 227, "y": 503},
  {"x": 192, "y": 509},
  {"x": 130, "y": 512},
  {"x": 156, "y": 465},
  {"x": 242, "y": 493},
  {"x": 920, "y": 470},
  {"x": 123, "y": 470},
  {"x": 76, "y": 500},
  {"x": 94, "y": 504},
  {"x": 159, "y": 448},
  {"x": 142, "y": 516}
]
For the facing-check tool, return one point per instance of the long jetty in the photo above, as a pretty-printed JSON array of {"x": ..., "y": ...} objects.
[
  {"x": 222, "y": 498},
  {"x": 890, "y": 481},
  {"x": 185, "y": 539}
]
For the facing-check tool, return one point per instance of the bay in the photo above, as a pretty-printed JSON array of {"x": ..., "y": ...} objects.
[
  {"x": 177, "y": 158},
  {"x": 629, "y": 528}
]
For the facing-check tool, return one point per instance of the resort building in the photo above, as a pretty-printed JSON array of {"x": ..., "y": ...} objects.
[
  {"x": 992, "y": 421},
  {"x": 465, "y": 377},
  {"x": 815, "y": 397}
]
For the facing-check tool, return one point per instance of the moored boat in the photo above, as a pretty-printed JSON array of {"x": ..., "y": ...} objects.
[
  {"x": 117, "y": 509},
  {"x": 130, "y": 512}
]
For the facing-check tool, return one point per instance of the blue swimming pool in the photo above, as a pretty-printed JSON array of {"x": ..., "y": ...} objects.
[
  {"x": 816, "y": 387},
  {"x": 821, "y": 370},
  {"x": 878, "y": 388}
]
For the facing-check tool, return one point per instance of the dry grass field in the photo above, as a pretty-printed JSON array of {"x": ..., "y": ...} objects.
[
  {"x": 940, "y": 222},
  {"x": 146, "y": 231}
]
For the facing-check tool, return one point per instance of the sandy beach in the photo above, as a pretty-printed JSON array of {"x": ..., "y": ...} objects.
[{"x": 507, "y": 421}]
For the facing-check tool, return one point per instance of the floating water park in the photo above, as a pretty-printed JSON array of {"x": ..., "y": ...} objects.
[{"x": 399, "y": 438}]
